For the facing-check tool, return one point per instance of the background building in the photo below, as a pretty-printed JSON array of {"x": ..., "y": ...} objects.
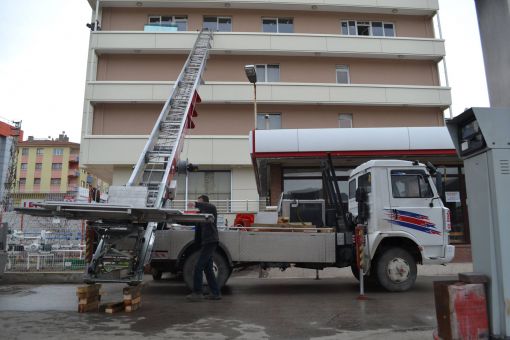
[
  {"x": 340, "y": 64},
  {"x": 50, "y": 169}
]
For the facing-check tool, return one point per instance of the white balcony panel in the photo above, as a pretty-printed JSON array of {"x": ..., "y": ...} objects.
[
  {"x": 277, "y": 93},
  {"x": 271, "y": 44},
  {"x": 408, "y": 7},
  {"x": 124, "y": 150}
]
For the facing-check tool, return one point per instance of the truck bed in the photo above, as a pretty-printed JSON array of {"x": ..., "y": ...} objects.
[{"x": 255, "y": 246}]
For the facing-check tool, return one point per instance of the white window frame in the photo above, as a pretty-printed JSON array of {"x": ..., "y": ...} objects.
[
  {"x": 24, "y": 151},
  {"x": 269, "y": 114},
  {"x": 174, "y": 19},
  {"x": 277, "y": 23},
  {"x": 265, "y": 73},
  {"x": 371, "y": 28},
  {"x": 344, "y": 117},
  {"x": 345, "y": 69},
  {"x": 38, "y": 166},
  {"x": 37, "y": 179},
  {"x": 39, "y": 152},
  {"x": 56, "y": 166},
  {"x": 22, "y": 181},
  {"x": 24, "y": 166},
  {"x": 217, "y": 21},
  {"x": 55, "y": 180},
  {"x": 58, "y": 151}
]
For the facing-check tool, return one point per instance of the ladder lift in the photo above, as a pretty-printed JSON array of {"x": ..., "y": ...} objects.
[{"x": 126, "y": 224}]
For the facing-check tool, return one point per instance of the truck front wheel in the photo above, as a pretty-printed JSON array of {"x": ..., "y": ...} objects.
[
  {"x": 220, "y": 266},
  {"x": 396, "y": 270}
]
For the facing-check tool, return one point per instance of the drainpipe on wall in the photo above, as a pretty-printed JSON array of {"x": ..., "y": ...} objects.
[{"x": 445, "y": 69}]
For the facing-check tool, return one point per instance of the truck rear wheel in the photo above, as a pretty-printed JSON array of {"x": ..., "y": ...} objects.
[
  {"x": 396, "y": 269},
  {"x": 220, "y": 265}
]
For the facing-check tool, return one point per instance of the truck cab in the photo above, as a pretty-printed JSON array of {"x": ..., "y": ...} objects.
[{"x": 407, "y": 222}]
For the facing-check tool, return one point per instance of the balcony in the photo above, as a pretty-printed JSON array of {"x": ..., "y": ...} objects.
[
  {"x": 73, "y": 173},
  {"x": 407, "y": 7},
  {"x": 330, "y": 45},
  {"x": 74, "y": 158},
  {"x": 111, "y": 150},
  {"x": 276, "y": 93}
]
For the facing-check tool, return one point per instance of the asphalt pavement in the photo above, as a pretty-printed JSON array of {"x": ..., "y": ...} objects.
[{"x": 279, "y": 307}]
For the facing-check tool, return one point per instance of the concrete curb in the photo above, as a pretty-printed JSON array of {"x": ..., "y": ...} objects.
[{"x": 37, "y": 278}]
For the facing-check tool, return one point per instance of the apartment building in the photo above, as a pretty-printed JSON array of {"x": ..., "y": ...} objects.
[
  {"x": 49, "y": 169},
  {"x": 320, "y": 64}
]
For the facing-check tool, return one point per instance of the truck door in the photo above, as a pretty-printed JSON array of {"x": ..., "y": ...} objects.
[{"x": 410, "y": 198}]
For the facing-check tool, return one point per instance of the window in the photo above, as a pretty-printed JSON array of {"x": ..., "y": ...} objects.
[
  {"x": 181, "y": 21},
  {"x": 24, "y": 166},
  {"x": 39, "y": 152},
  {"x": 58, "y": 152},
  {"x": 215, "y": 184},
  {"x": 410, "y": 184},
  {"x": 345, "y": 120},
  {"x": 22, "y": 181},
  {"x": 37, "y": 181},
  {"x": 55, "y": 181},
  {"x": 278, "y": 25},
  {"x": 267, "y": 73},
  {"x": 24, "y": 152},
  {"x": 342, "y": 74},
  {"x": 38, "y": 166},
  {"x": 220, "y": 24},
  {"x": 56, "y": 166},
  {"x": 269, "y": 121},
  {"x": 367, "y": 28},
  {"x": 352, "y": 188},
  {"x": 295, "y": 179},
  {"x": 365, "y": 182}
]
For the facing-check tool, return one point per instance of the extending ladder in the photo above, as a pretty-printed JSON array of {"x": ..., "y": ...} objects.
[
  {"x": 158, "y": 161},
  {"x": 125, "y": 247}
]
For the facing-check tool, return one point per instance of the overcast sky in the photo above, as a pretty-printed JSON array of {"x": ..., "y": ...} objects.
[{"x": 43, "y": 57}]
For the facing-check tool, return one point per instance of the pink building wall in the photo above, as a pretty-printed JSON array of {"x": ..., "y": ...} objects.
[
  {"x": 152, "y": 67},
  {"x": 133, "y": 19}
]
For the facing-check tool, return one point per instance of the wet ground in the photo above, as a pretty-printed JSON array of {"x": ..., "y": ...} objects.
[{"x": 251, "y": 308}]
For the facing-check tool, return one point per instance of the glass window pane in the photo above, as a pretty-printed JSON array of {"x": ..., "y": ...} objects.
[
  {"x": 377, "y": 29},
  {"x": 301, "y": 184},
  {"x": 225, "y": 24},
  {"x": 285, "y": 25},
  {"x": 269, "y": 25},
  {"x": 210, "y": 23},
  {"x": 344, "y": 28},
  {"x": 166, "y": 19},
  {"x": 352, "y": 188},
  {"x": 365, "y": 181},
  {"x": 154, "y": 19},
  {"x": 261, "y": 73},
  {"x": 342, "y": 74},
  {"x": 389, "y": 30},
  {"x": 275, "y": 121},
  {"x": 273, "y": 73},
  {"x": 352, "y": 27},
  {"x": 363, "y": 28},
  {"x": 345, "y": 121},
  {"x": 182, "y": 25}
]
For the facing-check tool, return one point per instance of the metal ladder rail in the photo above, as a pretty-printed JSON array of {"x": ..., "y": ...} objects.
[{"x": 171, "y": 120}]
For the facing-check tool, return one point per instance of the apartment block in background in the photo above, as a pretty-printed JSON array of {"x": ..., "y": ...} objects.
[{"x": 49, "y": 169}]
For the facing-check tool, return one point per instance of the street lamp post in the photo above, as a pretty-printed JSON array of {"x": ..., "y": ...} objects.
[{"x": 251, "y": 74}]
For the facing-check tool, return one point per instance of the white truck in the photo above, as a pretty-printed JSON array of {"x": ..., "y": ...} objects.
[{"x": 405, "y": 220}]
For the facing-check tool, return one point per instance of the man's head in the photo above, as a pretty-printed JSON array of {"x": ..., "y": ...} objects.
[{"x": 203, "y": 198}]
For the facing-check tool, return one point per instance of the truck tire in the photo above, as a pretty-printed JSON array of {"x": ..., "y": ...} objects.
[
  {"x": 396, "y": 270},
  {"x": 221, "y": 269}
]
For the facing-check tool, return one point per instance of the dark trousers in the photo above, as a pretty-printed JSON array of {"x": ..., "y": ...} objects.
[{"x": 205, "y": 264}]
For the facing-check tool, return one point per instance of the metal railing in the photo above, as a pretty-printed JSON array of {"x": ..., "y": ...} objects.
[
  {"x": 227, "y": 206},
  {"x": 50, "y": 261}
]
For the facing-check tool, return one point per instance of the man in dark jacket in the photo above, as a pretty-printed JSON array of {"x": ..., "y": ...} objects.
[{"x": 206, "y": 235}]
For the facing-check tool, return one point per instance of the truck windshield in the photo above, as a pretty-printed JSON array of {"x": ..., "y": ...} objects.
[{"x": 410, "y": 184}]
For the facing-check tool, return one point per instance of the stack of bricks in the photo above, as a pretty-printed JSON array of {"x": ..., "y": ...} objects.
[
  {"x": 88, "y": 298},
  {"x": 132, "y": 298}
]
